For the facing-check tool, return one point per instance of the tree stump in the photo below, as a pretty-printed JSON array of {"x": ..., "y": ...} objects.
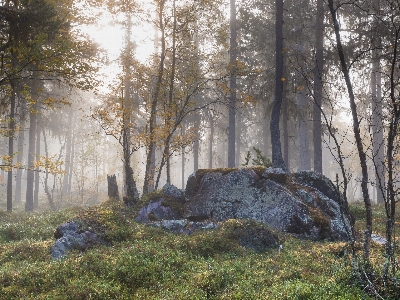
[{"x": 112, "y": 187}]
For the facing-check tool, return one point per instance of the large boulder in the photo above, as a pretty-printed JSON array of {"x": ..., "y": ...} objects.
[{"x": 287, "y": 203}]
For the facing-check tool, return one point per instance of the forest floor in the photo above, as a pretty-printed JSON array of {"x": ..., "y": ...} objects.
[{"x": 142, "y": 262}]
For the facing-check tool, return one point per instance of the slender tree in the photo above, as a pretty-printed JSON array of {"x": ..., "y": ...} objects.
[
  {"x": 11, "y": 131},
  {"x": 31, "y": 158},
  {"x": 318, "y": 73},
  {"x": 149, "y": 172},
  {"x": 37, "y": 152},
  {"x": 356, "y": 131},
  {"x": 232, "y": 87},
  {"x": 277, "y": 159},
  {"x": 21, "y": 140}
]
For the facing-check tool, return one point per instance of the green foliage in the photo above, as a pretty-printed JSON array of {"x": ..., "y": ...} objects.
[
  {"x": 259, "y": 160},
  {"x": 19, "y": 226},
  {"x": 142, "y": 262}
]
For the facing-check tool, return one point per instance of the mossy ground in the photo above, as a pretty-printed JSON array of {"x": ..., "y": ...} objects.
[{"x": 142, "y": 262}]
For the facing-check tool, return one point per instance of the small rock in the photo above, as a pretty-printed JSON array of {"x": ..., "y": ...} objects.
[{"x": 69, "y": 238}]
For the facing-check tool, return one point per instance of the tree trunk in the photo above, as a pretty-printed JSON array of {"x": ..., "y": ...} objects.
[
  {"x": 196, "y": 142},
  {"x": 318, "y": 73},
  {"x": 20, "y": 156},
  {"x": 71, "y": 167},
  {"x": 11, "y": 132},
  {"x": 149, "y": 172},
  {"x": 266, "y": 130},
  {"x": 232, "y": 87},
  {"x": 210, "y": 145},
  {"x": 304, "y": 160},
  {"x": 392, "y": 189},
  {"x": 285, "y": 121},
  {"x": 377, "y": 124},
  {"x": 171, "y": 92},
  {"x": 238, "y": 137},
  {"x": 183, "y": 157},
  {"x": 112, "y": 187},
  {"x": 46, "y": 179},
  {"x": 30, "y": 177},
  {"x": 357, "y": 135},
  {"x": 37, "y": 173},
  {"x": 277, "y": 160},
  {"x": 302, "y": 131},
  {"x": 68, "y": 148}
]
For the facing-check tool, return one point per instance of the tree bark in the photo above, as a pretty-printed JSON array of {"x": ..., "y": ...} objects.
[
  {"x": 232, "y": 87},
  {"x": 318, "y": 73},
  {"x": 285, "y": 121},
  {"x": 11, "y": 132},
  {"x": 68, "y": 148},
  {"x": 304, "y": 160},
  {"x": 210, "y": 144},
  {"x": 183, "y": 157},
  {"x": 392, "y": 190},
  {"x": 20, "y": 156},
  {"x": 37, "y": 173},
  {"x": 46, "y": 180},
  {"x": 378, "y": 154},
  {"x": 149, "y": 173},
  {"x": 196, "y": 142},
  {"x": 171, "y": 91},
  {"x": 238, "y": 137},
  {"x": 357, "y": 135},
  {"x": 302, "y": 131},
  {"x": 30, "y": 177},
  {"x": 277, "y": 160},
  {"x": 71, "y": 167}
]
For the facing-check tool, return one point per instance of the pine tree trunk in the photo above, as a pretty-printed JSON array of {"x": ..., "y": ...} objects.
[
  {"x": 392, "y": 189},
  {"x": 37, "y": 173},
  {"x": 318, "y": 73},
  {"x": 304, "y": 161},
  {"x": 20, "y": 156},
  {"x": 196, "y": 142},
  {"x": 31, "y": 160},
  {"x": 68, "y": 148},
  {"x": 11, "y": 132},
  {"x": 149, "y": 172},
  {"x": 210, "y": 142},
  {"x": 277, "y": 159},
  {"x": 302, "y": 132},
  {"x": 46, "y": 179},
  {"x": 232, "y": 87},
  {"x": 238, "y": 137},
  {"x": 71, "y": 167},
  {"x": 171, "y": 91},
  {"x": 183, "y": 157},
  {"x": 357, "y": 135},
  {"x": 285, "y": 120},
  {"x": 377, "y": 123}
]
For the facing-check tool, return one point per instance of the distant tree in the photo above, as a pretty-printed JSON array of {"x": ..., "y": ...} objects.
[{"x": 39, "y": 45}]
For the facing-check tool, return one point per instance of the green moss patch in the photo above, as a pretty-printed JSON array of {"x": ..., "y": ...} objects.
[{"x": 146, "y": 263}]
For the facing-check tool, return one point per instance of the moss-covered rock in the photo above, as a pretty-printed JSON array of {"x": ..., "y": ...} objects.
[
  {"x": 166, "y": 204},
  {"x": 273, "y": 197}
]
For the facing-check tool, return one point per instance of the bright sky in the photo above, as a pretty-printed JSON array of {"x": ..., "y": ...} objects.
[{"x": 110, "y": 37}]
